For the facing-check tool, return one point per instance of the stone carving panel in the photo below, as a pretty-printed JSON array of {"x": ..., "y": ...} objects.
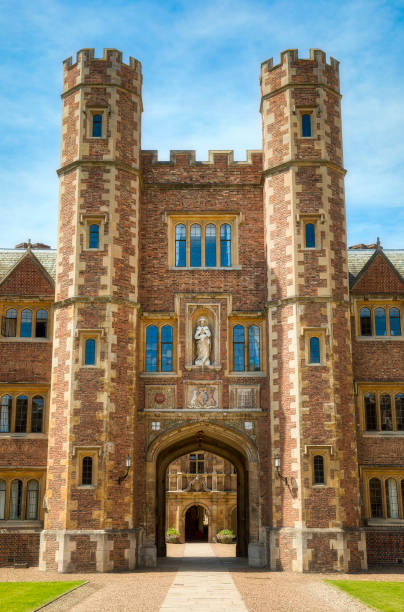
[
  {"x": 202, "y": 396},
  {"x": 244, "y": 397},
  {"x": 160, "y": 397}
]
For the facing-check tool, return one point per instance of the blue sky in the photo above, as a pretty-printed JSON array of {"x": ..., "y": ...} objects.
[{"x": 201, "y": 65}]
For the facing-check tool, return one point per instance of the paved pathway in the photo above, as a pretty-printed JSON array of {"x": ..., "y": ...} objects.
[{"x": 203, "y": 583}]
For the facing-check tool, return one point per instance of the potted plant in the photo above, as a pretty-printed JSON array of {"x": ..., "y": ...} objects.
[
  {"x": 172, "y": 536},
  {"x": 225, "y": 536}
]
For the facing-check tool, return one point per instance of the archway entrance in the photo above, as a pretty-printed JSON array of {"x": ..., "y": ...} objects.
[
  {"x": 196, "y": 524},
  {"x": 226, "y": 442}
]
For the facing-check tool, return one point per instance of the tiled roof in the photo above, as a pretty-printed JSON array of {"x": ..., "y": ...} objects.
[
  {"x": 357, "y": 259},
  {"x": 10, "y": 257}
]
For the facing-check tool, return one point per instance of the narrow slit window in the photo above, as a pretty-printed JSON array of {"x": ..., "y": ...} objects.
[
  {"x": 254, "y": 352},
  {"x": 151, "y": 348},
  {"x": 386, "y": 417},
  {"x": 9, "y": 324},
  {"x": 94, "y": 236},
  {"x": 21, "y": 414},
  {"x": 166, "y": 348},
  {"x": 180, "y": 246},
  {"x": 195, "y": 245},
  {"x": 310, "y": 236},
  {"x": 97, "y": 126},
  {"x": 306, "y": 125},
  {"x": 87, "y": 471},
  {"x": 238, "y": 348},
  {"x": 26, "y": 323},
  {"x": 89, "y": 358},
  {"x": 395, "y": 323},
  {"x": 380, "y": 322},
  {"x": 225, "y": 245},
  {"x": 3, "y": 491},
  {"x": 391, "y": 498},
  {"x": 375, "y": 494},
  {"x": 399, "y": 404},
  {"x": 41, "y": 324},
  {"x": 370, "y": 412},
  {"x": 365, "y": 321},
  {"x": 210, "y": 245},
  {"x": 31, "y": 512},
  {"x": 5, "y": 413},
  {"x": 16, "y": 500},
  {"x": 314, "y": 350},
  {"x": 37, "y": 414},
  {"x": 318, "y": 469}
]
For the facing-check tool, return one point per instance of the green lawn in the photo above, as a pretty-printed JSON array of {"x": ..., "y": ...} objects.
[
  {"x": 385, "y": 596},
  {"x": 26, "y": 596}
]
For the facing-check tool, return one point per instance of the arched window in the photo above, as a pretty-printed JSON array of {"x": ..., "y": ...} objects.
[
  {"x": 225, "y": 245},
  {"x": 89, "y": 358},
  {"x": 375, "y": 494},
  {"x": 238, "y": 348},
  {"x": 5, "y": 413},
  {"x": 16, "y": 500},
  {"x": 26, "y": 323},
  {"x": 10, "y": 324},
  {"x": 21, "y": 414},
  {"x": 166, "y": 348},
  {"x": 366, "y": 322},
  {"x": 210, "y": 245},
  {"x": 318, "y": 469},
  {"x": 380, "y": 322},
  {"x": 386, "y": 417},
  {"x": 370, "y": 412},
  {"x": 3, "y": 491},
  {"x": 180, "y": 246},
  {"x": 306, "y": 126},
  {"x": 37, "y": 414},
  {"x": 87, "y": 471},
  {"x": 31, "y": 509},
  {"x": 395, "y": 323},
  {"x": 97, "y": 126},
  {"x": 196, "y": 260},
  {"x": 151, "y": 348},
  {"x": 310, "y": 236},
  {"x": 314, "y": 350},
  {"x": 94, "y": 236},
  {"x": 391, "y": 498},
  {"x": 254, "y": 352},
  {"x": 41, "y": 324},
  {"x": 399, "y": 401}
]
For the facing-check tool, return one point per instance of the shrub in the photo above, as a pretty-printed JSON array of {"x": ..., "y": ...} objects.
[
  {"x": 225, "y": 536},
  {"x": 172, "y": 535}
]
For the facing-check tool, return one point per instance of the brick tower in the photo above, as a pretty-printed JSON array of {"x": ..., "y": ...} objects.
[
  {"x": 315, "y": 527},
  {"x": 89, "y": 514}
]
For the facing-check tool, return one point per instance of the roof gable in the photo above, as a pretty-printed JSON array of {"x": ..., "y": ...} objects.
[
  {"x": 27, "y": 277},
  {"x": 379, "y": 275}
]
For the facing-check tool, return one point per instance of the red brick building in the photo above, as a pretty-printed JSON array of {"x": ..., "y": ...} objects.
[{"x": 201, "y": 306}]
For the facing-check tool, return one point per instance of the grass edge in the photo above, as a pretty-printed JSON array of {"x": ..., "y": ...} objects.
[
  {"x": 329, "y": 582},
  {"x": 61, "y": 595}
]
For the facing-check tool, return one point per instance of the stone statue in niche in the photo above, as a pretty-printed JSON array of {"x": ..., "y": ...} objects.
[{"x": 203, "y": 341}]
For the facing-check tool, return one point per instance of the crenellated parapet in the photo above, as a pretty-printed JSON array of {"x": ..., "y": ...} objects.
[
  {"x": 299, "y": 72},
  {"x": 215, "y": 157},
  {"x": 107, "y": 70}
]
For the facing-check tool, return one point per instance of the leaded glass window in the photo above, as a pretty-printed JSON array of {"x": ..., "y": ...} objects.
[
  {"x": 210, "y": 245},
  {"x": 166, "y": 348},
  {"x": 395, "y": 323},
  {"x": 318, "y": 469},
  {"x": 225, "y": 245},
  {"x": 16, "y": 500},
  {"x": 89, "y": 358},
  {"x": 306, "y": 126},
  {"x": 310, "y": 237},
  {"x": 370, "y": 412},
  {"x": 37, "y": 414},
  {"x": 94, "y": 236},
  {"x": 41, "y": 323},
  {"x": 391, "y": 498},
  {"x": 399, "y": 405},
  {"x": 375, "y": 493},
  {"x": 31, "y": 512},
  {"x": 180, "y": 246},
  {"x": 366, "y": 322},
  {"x": 10, "y": 323},
  {"x": 238, "y": 348},
  {"x": 380, "y": 322},
  {"x": 195, "y": 243},
  {"x": 151, "y": 348},
  {"x": 87, "y": 471},
  {"x": 386, "y": 417},
  {"x": 26, "y": 323},
  {"x": 97, "y": 126},
  {"x": 254, "y": 357},
  {"x": 5, "y": 413},
  {"x": 3, "y": 492},
  {"x": 21, "y": 414},
  {"x": 314, "y": 350}
]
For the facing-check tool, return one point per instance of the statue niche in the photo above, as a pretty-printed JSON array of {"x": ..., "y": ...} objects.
[{"x": 203, "y": 342}]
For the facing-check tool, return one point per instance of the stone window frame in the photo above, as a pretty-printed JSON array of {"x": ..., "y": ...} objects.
[
  {"x": 378, "y": 389},
  {"x": 245, "y": 321},
  {"x": 89, "y": 334},
  {"x": 383, "y": 474},
  {"x": 299, "y": 111},
  {"x": 372, "y": 305},
  {"x": 25, "y": 476},
  {"x": 159, "y": 320},
  {"x": 86, "y": 220},
  {"x": 203, "y": 219},
  {"x": 315, "y": 332},
  {"x": 89, "y": 112},
  {"x": 79, "y": 452},
  {"x": 317, "y": 219},
  {"x": 35, "y": 307},
  {"x": 30, "y": 392},
  {"x": 326, "y": 451}
]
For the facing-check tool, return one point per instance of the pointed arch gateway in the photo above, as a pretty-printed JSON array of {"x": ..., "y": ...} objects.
[{"x": 224, "y": 441}]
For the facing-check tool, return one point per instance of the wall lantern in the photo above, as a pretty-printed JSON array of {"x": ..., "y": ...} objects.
[
  {"x": 128, "y": 464},
  {"x": 277, "y": 463}
]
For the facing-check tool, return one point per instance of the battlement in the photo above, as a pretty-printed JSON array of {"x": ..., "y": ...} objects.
[
  {"x": 109, "y": 55},
  {"x": 215, "y": 158},
  {"x": 290, "y": 56}
]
